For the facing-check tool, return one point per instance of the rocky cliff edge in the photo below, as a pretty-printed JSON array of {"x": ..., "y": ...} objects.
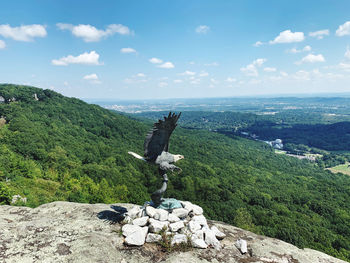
[{"x": 73, "y": 232}]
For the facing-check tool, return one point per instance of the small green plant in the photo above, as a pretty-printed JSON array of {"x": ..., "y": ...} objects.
[
  {"x": 165, "y": 243},
  {"x": 5, "y": 196}
]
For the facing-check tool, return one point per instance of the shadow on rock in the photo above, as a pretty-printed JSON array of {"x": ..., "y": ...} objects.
[{"x": 113, "y": 217}]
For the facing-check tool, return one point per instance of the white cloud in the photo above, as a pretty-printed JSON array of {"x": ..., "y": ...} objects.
[
  {"x": 258, "y": 44},
  {"x": 155, "y": 60},
  {"x": 311, "y": 58},
  {"x": 319, "y": 34},
  {"x": 162, "y": 84},
  {"x": 202, "y": 29},
  {"x": 126, "y": 50},
  {"x": 2, "y": 44},
  {"x": 307, "y": 48},
  {"x": 177, "y": 81},
  {"x": 90, "y": 33},
  {"x": 195, "y": 81},
  {"x": 188, "y": 73},
  {"x": 347, "y": 53},
  {"x": 167, "y": 65},
  {"x": 140, "y": 75},
  {"x": 344, "y": 66},
  {"x": 343, "y": 29},
  {"x": 294, "y": 50},
  {"x": 23, "y": 33},
  {"x": 267, "y": 69},
  {"x": 284, "y": 74},
  {"x": 251, "y": 69},
  {"x": 302, "y": 75},
  {"x": 258, "y": 62},
  {"x": 288, "y": 36},
  {"x": 84, "y": 59},
  {"x": 229, "y": 79},
  {"x": 204, "y": 74},
  {"x": 91, "y": 77}
]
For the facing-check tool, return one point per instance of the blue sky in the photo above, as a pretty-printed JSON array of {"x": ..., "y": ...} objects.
[{"x": 176, "y": 49}]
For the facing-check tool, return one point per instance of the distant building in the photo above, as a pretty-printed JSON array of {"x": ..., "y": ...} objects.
[
  {"x": 2, "y": 99},
  {"x": 277, "y": 144}
]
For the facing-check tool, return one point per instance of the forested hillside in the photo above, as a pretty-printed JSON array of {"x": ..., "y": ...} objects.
[
  {"x": 58, "y": 148},
  {"x": 300, "y": 127}
]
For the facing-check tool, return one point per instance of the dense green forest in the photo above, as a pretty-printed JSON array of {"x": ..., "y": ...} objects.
[
  {"x": 302, "y": 131},
  {"x": 319, "y": 130},
  {"x": 59, "y": 148}
]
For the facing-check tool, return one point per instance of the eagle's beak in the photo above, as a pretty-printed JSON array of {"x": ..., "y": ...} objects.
[{"x": 178, "y": 157}]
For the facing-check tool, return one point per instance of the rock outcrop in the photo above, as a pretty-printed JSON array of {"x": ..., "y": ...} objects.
[
  {"x": 72, "y": 232},
  {"x": 185, "y": 225}
]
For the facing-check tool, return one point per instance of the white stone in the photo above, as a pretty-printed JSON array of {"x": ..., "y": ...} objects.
[
  {"x": 200, "y": 220},
  {"x": 142, "y": 221},
  {"x": 174, "y": 227},
  {"x": 134, "y": 211},
  {"x": 241, "y": 244},
  {"x": 197, "y": 210},
  {"x": 180, "y": 212},
  {"x": 145, "y": 230},
  {"x": 153, "y": 238},
  {"x": 199, "y": 234},
  {"x": 151, "y": 211},
  {"x": 187, "y": 205},
  {"x": 199, "y": 243},
  {"x": 127, "y": 220},
  {"x": 173, "y": 218},
  {"x": 178, "y": 239},
  {"x": 185, "y": 231},
  {"x": 211, "y": 240},
  {"x": 128, "y": 229},
  {"x": 137, "y": 238},
  {"x": 219, "y": 235},
  {"x": 193, "y": 226},
  {"x": 156, "y": 226},
  {"x": 205, "y": 227},
  {"x": 161, "y": 215}
]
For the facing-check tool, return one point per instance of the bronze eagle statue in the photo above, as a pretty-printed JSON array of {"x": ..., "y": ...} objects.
[
  {"x": 156, "y": 145},
  {"x": 156, "y": 151}
]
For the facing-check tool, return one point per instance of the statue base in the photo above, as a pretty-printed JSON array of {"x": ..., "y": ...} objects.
[{"x": 168, "y": 204}]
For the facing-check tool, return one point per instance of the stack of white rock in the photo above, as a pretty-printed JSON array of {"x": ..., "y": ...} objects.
[{"x": 181, "y": 225}]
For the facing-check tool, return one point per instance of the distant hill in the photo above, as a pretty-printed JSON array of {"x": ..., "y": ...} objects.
[{"x": 58, "y": 148}]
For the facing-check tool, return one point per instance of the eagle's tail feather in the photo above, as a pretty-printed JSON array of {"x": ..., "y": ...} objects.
[{"x": 137, "y": 156}]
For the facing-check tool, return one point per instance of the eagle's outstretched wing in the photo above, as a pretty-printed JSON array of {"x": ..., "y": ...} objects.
[{"x": 157, "y": 140}]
